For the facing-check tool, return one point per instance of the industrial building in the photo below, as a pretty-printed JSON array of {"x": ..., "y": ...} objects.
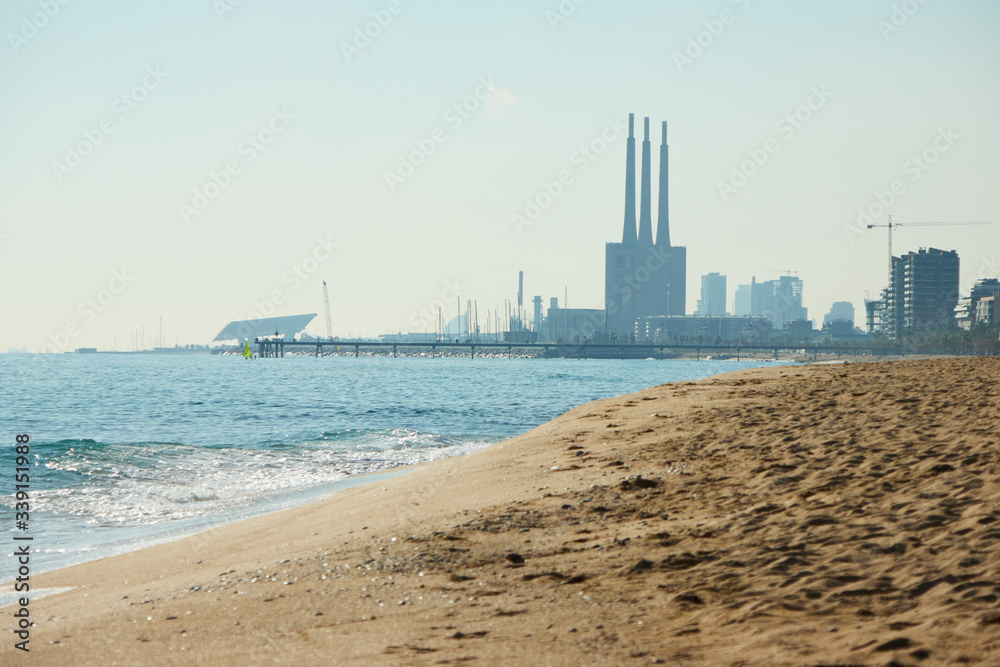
[
  {"x": 643, "y": 277},
  {"x": 922, "y": 293},
  {"x": 572, "y": 324}
]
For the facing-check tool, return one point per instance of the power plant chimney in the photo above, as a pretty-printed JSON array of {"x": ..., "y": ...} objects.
[
  {"x": 645, "y": 214},
  {"x": 628, "y": 235},
  {"x": 663, "y": 209},
  {"x": 520, "y": 291}
]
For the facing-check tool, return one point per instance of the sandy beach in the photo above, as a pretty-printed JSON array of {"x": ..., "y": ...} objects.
[{"x": 795, "y": 515}]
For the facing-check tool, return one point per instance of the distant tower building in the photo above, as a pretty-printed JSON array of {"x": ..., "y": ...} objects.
[
  {"x": 783, "y": 299},
  {"x": 778, "y": 300},
  {"x": 536, "y": 322},
  {"x": 643, "y": 278},
  {"x": 713, "y": 296},
  {"x": 741, "y": 306},
  {"x": 840, "y": 311}
]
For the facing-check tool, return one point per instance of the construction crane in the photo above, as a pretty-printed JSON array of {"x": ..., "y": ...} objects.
[
  {"x": 892, "y": 224},
  {"x": 326, "y": 305}
]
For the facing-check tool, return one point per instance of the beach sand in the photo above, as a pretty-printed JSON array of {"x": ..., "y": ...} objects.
[{"x": 796, "y": 515}]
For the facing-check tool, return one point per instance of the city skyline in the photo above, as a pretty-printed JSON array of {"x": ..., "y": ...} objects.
[{"x": 221, "y": 159}]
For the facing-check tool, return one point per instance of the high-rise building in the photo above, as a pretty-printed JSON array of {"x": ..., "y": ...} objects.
[
  {"x": 781, "y": 301},
  {"x": 922, "y": 294},
  {"x": 741, "y": 302},
  {"x": 643, "y": 277},
  {"x": 930, "y": 284},
  {"x": 713, "y": 296},
  {"x": 778, "y": 300}
]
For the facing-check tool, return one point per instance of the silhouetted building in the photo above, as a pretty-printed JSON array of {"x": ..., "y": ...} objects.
[
  {"x": 644, "y": 278},
  {"x": 741, "y": 305},
  {"x": 839, "y": 329},
  {"x": 568, "y": 324},
  {"x": 713, "y": 296},
  {"x": 692, "y": 329},
  {"x": 799, "y": 331},
  {"x": 778, "y": 300},
  {"x": 840, "y": 311}
]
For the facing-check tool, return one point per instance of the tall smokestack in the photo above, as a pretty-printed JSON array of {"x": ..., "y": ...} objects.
[
  {"x": 645, "y": 214},
  {"x": 663, "y": 209},
  {"x": 520, "y": 291},
  {"x": 628, "y": 235}
]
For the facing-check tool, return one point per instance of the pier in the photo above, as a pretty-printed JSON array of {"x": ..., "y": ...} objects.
[{"x": 271, "y": 347}]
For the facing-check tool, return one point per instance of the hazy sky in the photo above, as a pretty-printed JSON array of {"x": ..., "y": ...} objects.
[{"x": 198, "y": 160}]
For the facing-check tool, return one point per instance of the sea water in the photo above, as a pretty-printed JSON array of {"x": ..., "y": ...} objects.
[{"x": 129, "y": 450}]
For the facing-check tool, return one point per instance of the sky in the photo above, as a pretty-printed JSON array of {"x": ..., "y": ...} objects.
[{"x": 202, "y": 161}]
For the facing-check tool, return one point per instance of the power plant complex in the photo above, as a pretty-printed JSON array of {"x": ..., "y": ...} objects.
[
  {"x": 644, "y": 277},
  {"x": 645, "y": 284}
]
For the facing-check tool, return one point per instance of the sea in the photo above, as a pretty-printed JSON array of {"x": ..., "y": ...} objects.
[{"x": 130, "y": 450}]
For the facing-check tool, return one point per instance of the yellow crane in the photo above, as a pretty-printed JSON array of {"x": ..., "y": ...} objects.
[{"x": 890, "y": 224}]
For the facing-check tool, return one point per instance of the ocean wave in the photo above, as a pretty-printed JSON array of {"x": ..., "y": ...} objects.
[{"x": 145, "y": 483}]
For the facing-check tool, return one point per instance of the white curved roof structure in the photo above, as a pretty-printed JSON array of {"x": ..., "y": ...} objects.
[{"x": 288, "y": 326}]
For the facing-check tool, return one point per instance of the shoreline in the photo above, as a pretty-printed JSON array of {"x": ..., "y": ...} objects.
[
  {"x": 651, "y": 526},
  {"x": 110, "y": 541},
  {"x": 186, "y": 528}
]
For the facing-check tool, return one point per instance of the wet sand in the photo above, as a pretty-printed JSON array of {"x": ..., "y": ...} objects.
[{"x": 804, "y": 515}]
